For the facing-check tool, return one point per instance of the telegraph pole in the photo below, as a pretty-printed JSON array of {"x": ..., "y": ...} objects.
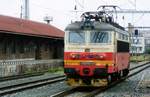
[{"x": 25, "y": 9}]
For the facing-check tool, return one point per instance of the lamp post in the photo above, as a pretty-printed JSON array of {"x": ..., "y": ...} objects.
[{"x": 136, "y": 37}]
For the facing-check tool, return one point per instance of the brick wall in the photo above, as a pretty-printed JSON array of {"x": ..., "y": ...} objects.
[{"x": 19, "y": 47}]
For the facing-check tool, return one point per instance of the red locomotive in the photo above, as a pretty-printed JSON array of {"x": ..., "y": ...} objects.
[{"x": 96, "y": 50}]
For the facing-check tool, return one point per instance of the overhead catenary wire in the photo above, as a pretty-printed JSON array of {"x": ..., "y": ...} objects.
[
  {"x": 132, "y": 3},
  {"x": 78, "y": 3}
]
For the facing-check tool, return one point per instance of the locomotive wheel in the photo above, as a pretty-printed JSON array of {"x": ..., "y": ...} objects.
[
  {"x": 121, "y": 73},
  {"x": 125, "y": 72},
  {"x": 118, "y": 75},
  {"x": 109, "y": 78},
  {"x": 114, "y": 77}
]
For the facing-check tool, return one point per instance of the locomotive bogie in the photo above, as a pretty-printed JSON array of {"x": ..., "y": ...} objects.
[{"x": 87, "y": 82}]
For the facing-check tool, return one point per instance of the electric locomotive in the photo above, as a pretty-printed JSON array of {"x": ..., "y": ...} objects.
[{"x": 96, "y": 50}]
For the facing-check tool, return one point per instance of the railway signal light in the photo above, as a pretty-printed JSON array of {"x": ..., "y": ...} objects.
[{"x": 136, "y": 32}]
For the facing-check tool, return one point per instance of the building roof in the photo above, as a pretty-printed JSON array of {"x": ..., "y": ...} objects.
[{"x": 27, "y": 27}]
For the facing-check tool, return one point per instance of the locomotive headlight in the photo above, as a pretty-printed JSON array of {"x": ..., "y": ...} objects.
[
  {"x": 74, "y": 56},
  {"x": 101, "y": 57}
]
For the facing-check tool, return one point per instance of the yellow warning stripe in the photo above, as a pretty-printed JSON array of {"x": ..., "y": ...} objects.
[{"x": 96, "y": 62}]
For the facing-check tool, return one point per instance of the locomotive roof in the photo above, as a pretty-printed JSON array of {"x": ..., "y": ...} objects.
[{"x": 97, "y": 26}]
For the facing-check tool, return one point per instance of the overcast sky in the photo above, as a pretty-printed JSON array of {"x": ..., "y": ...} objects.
[{"x": 61, "y": 10}]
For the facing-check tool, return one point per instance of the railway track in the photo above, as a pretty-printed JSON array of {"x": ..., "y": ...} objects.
[
  {"x": 96, "y": 91},
  {"x": 29, "y": 85},
  {"x": 14, "y": 77}
]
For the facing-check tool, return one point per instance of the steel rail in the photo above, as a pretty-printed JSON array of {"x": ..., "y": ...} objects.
[
  {"x": 28, "y": 85},
  {"x": 94, "y": 93},
  {"x": 64, "y": 93},
  {"x": 14, "y": 77},
  {"x": 99, "y": 90},
  {"x": 139, "y": 66}
]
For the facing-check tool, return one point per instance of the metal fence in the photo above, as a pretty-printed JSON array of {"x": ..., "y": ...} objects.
[{"x": 17, "y": 66}]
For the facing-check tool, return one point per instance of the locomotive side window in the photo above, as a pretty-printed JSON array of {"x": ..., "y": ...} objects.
[
  {"x": 122, "y": 36},
  {"x": 76, "y": 37},
  {"x": 122, "y": 46},
  {"x": 100, "y": 37}
]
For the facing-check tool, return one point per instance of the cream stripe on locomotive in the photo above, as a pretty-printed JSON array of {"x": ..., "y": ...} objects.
[{"x": 92, "y": 48}]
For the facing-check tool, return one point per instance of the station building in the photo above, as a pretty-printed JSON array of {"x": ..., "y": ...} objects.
[
  {"x": 140, "y": 40},
  {"x": 137, "y": 43},
  {"x": 146, "y": 34},
  {"x": 25, "y": 39},
  {"x": 140, "y": 43}
]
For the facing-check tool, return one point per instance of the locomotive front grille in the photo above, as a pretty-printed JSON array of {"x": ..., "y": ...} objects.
[{"x": 100, "y": 71}]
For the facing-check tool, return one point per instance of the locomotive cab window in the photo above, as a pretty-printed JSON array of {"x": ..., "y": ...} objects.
[
  {"x": 100, "y": 37},
  {"x": 76, "y": 37}
]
